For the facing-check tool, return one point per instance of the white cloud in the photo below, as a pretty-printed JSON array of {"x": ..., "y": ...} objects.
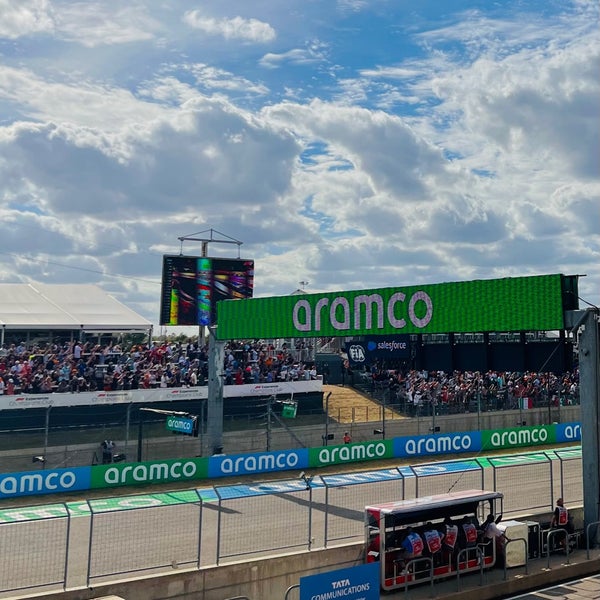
[
  {"x": 95, "y": 24},
  {"x": 25, "y": 17},
  {"x": 477, "y": 158},
  {"x": 250, "y": 30}
]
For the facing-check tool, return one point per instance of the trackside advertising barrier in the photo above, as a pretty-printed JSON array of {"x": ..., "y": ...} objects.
[
  {"x": 150, "y": 472},
  {"x": 55, "y": 481}
]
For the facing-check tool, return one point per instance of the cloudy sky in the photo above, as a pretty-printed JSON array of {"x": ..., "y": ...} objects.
[{"x": 350, "y": 144}]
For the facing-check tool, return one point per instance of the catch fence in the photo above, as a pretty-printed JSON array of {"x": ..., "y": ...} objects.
[{"x": 64, "y": 546}]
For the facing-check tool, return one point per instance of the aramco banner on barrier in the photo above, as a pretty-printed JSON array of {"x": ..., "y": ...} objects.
[
  {"x": 151, "y": 472},
  {"x": 510, "y": 304},
  {"x": 54, "y": 481}
]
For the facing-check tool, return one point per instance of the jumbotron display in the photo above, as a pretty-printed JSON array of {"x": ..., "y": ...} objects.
[
  {"x": 192, "y": 286},
  {"x": 534, "y": 303}
]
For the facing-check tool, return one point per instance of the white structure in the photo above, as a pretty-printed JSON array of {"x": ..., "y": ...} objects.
[{"x": 77, "y": 308}]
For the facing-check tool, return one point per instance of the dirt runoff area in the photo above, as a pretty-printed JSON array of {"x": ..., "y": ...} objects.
[{"x": 347, "y": 405}]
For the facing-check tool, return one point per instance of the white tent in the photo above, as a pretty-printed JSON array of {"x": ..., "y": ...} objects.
[{"x": 72, "y": 307}]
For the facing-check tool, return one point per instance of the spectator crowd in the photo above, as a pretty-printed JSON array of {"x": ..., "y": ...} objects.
[
  {"x": 86, "y": 366},
  {"x": 459, "y": 390}
]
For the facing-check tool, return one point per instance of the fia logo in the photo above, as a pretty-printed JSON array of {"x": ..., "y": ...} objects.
[{"x": 356, "y": 353}]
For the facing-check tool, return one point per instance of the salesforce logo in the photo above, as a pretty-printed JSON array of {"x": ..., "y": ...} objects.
[{"x": 371, "y": 346}]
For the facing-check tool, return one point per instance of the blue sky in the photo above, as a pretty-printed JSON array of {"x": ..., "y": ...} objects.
[{"x": 350, "y": 144}]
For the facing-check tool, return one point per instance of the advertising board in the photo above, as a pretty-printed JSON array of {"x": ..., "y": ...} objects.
[
  {"x": 189, "y": 469},
  {"x": 354, "y": 583},
  {"x": 511, "y": 304},
  {"x": 365, "y": 352},
  {"x": 149, "y": 472}
]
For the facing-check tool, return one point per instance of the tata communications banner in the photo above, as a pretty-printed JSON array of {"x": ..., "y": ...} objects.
[
  {"x": 365, "y": 352},
  {"x": 511, "y": 304}
]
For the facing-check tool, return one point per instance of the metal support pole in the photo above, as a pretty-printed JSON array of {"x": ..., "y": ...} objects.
[
  {"x": 140, "y": 435},
  {"x": 269, "y": 421},
  {"x": 383, "y": 417},
  {"x": 46, "y": 428},
  {"x": 589, "y": 381},
  {"x": 216, "y": 358},
  {"x": 127, "y": 424},
  {"x": 327, "y": 418}
]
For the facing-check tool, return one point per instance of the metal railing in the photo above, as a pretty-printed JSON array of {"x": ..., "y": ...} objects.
[
  {"x": 512, "y": 541},
  {"x": 480, "y": 562},
  {"x": 550, "y": 538}
]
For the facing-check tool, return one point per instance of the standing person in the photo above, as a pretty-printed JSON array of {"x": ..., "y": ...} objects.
[
  {"x": 562, "y": 520},
  {"x": 108, "y": 447},
  {"x": 347, "y": 438},
  {"x": 491, "y": 533}
]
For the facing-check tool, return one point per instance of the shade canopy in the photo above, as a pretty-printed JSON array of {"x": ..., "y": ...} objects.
[{"x": 64, "y": 306}]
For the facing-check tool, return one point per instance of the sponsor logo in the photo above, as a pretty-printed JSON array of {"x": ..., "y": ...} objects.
[
  {"x": 343, "y": 317},
  {"x": 387, "y": 345},
  {"x": 179, "y": 424},
  {"x": 256, "y": 463},
  {"x": 366, "y": 477},
  {"x": 518, "y": 437},
  {"x": 44, "y": 482},
  {"x": 28, "y": 401},
  {"x": 352, "y": 452},
  {"x": 568, "y": 432},
  {"x": 152, "y": 472},
  {"x": 356, "y": 353},
  {"x": 437, "y": 444}
]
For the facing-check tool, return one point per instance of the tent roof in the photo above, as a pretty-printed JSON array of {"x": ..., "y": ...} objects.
[{"x": 69, "y": 306}]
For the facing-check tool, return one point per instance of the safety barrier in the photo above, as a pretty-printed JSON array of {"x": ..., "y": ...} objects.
[
  {"x": 155, "y": 533},
  {"x": 35, "y": 552},
  {"x": 116, "y": 548},
  {"x": 344, "y": 493},
  {"x": 279, "y": 515}
]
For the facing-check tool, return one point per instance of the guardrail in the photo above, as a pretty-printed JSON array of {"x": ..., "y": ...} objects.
[
  {"x": 550, "y": 548},
  {"x": 411, "y": 568},
  {"x": 480, "y": 562}
]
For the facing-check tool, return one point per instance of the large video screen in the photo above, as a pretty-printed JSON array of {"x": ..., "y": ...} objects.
[
  {"x": 532, "y": 303},
  {"x": 192, "y": 286}
]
